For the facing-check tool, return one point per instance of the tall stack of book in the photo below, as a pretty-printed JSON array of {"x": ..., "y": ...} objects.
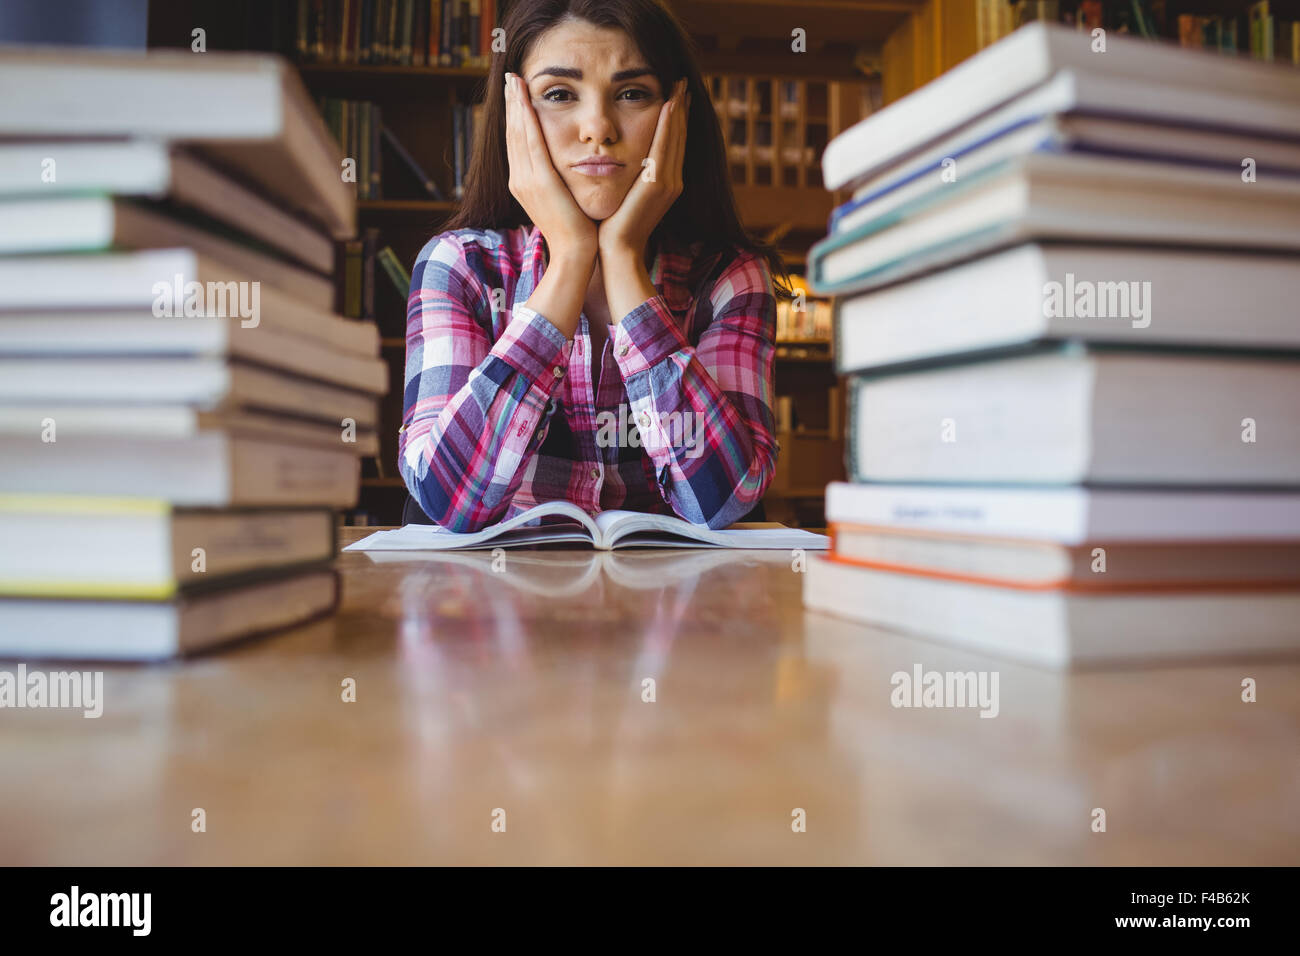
[
  {"x": 181, "y": 410},
  {"x": 1067, "y": 291}
]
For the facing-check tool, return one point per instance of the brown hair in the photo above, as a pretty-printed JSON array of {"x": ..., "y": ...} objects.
[{"x": 706, "y": 209}]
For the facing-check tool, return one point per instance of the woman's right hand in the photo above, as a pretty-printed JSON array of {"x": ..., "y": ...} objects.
[{"x": 537, "y": 186}]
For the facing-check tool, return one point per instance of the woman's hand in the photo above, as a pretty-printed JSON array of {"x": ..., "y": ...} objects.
[
  {"x": 623, "y": 236},
  {"x": 656, "y": 188},
  {"x": 570, "y": 235}
]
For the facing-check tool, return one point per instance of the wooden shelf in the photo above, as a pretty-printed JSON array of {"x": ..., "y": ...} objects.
[
  {"x": 394, "y": 206},
  {"x": 763, "y": 207},
  {"x": 809, "y": 359},
  {"x": 392, "y": 343},
  {"x": 382, "y": 483},
  {"x": 390, "y": 70},
  {"x": 802, "y": 343},
  {"x": 387, "y": 84}
]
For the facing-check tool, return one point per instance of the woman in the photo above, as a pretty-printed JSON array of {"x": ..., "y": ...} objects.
[{"x": 595, "y": 325}]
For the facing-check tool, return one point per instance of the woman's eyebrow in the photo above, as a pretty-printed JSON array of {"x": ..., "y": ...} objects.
[{"x": 571, "y": 73}]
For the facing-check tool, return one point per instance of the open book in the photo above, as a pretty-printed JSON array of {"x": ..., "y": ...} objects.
[{"x": 605, "y": 531}]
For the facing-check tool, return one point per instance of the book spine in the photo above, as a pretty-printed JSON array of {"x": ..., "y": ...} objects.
[
  {"x": 393, "y": 269},
  {"x": 487, "y": 20},
  {"x": 367, "y": 31},
  {"x": 408, "y": 14},
  {"x": 304, "y": 19},
  {"x": 345, "y": 142},
  {"x": 325, "y": 51},
  {"x": 363, "y": 163},
  {"x": 392, "y": 50},
  {"x": 344, "y": 34},
  {"x": 376, "y": 155},
  {"x": 435, "y": 31},
  {"x": 358, "y": 137},
  {"x": 475, "y": 26},
  {"x": 315, "y": 30},
  {"x": 463, "y": 34},
  {"x": 420, "y": 33},
  {"x": 426, "y": 182},
  {"x": 444, "y": 34},
  {"x": 354, "y": 52}
]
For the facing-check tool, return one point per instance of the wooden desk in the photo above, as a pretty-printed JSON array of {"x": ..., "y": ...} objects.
[{"x": 479, "y": 690}]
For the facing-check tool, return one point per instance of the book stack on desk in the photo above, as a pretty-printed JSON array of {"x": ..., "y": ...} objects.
[
  {"x": 181, "y": 408},
  {"x": 1067, "y": 286}
]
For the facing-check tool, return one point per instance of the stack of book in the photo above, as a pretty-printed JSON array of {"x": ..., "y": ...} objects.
[
  {"x": 1067, "y": 291},
  {"x": 181, "y": 410}
]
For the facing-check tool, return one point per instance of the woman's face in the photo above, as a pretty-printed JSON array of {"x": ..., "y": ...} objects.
[{"x": 598, "y": 104}]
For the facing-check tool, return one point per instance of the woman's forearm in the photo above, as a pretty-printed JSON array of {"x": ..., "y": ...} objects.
[
  {"x": 627, "y": 281},
  {"x": 560, "y": 293}
]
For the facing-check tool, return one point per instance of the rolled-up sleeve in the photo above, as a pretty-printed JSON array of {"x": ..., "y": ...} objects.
[
  {"x": 474, "y": 410},
  {"x": 704, "y": 412}
]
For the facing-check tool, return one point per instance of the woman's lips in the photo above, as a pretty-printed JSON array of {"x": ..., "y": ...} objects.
[{"x": 598, "y": 167}]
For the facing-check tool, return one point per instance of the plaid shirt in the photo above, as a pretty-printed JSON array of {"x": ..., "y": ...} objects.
[{"x": 501, "y": 413}]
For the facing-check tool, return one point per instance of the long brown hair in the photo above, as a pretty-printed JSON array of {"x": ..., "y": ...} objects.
[{"x": 706, "y": 209}]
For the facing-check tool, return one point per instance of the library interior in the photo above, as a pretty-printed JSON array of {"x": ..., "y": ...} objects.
[{"x": 1000, "y": 563}]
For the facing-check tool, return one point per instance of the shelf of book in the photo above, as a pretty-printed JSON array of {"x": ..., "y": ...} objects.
[{"x": 939, "y": 34}]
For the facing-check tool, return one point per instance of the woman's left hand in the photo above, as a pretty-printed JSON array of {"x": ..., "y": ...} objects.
[{"x": 627, "y": 231}]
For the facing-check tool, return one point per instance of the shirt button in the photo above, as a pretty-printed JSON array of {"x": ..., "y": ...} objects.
[
  {"x": 595, "y": 473},
  {"x": 645, "y": 420},
  {"x": 557, "y": 372},
  {"x": 623, "y": 351}
]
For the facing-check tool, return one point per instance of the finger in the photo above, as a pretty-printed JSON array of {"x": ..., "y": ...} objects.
[
  {"x": 512, "y": 158},
  {"x": 538, "y": 154},
  {"x": 679, "y": 139},
  {"x": 516, "y": 144},
  {"x": 659, "y": 145}
]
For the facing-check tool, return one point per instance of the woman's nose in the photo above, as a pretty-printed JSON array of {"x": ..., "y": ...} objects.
[{"x": 596, "y": 125}]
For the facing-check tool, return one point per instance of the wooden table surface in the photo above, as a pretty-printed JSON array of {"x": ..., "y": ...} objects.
[{"x": 520, "y": 689}]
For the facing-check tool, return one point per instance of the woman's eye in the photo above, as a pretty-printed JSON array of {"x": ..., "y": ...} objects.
[
  {"x": 635, "y": 95},
  {"x": 557, "y": 95}
]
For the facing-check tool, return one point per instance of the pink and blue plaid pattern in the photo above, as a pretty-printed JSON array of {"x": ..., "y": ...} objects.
[{"x": 501, "y": 412}]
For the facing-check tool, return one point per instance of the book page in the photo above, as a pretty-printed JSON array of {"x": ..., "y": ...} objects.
[
  {"x": 513, "y": 532},
  {"x": 637, "y": 530}
]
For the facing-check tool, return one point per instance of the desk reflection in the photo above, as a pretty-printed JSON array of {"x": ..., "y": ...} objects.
[{"x": 651, "y": 705}]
